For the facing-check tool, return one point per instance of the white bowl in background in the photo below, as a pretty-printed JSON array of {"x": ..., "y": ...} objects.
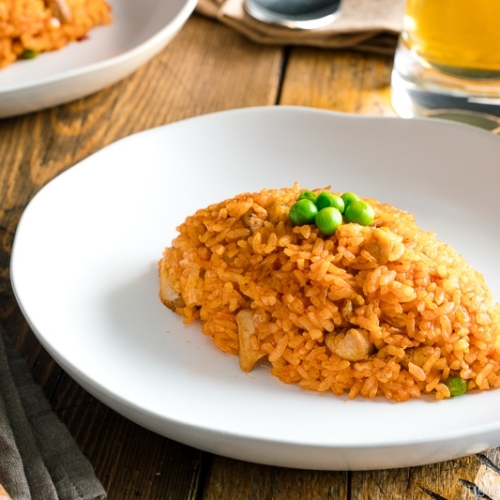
[{"x": 140, "y": 30}]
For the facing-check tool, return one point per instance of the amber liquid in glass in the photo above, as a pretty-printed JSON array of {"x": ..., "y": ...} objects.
[{"x": 459, "y": 37}]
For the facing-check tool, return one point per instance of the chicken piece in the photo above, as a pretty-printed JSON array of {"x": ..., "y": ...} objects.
[
  {"x": 170, "y": 297},
  {"x": 278, "y": 210},
  {"x": 60, "y": 9},
  {"x": 353, "y": 345},
  {"x": 390, "y": 246},
  {"x": 248, "y": 355},
  {"x": 252, "y": 221}
]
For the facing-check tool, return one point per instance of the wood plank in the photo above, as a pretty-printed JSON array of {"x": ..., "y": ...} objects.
[
  {"x": 460, "y": 479},
  {"x": 486, "y": 483},
  {"x": 239, "y": 480},
  {"x": 344, "y": 81},
  {"x": 416, "y": 483},
  {"x": 132, "y": 462}
]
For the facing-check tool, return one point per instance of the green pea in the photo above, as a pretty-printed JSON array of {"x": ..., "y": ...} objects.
[
  {"x": 328, "y": 220},
  {"x": 456, "y": 385},
  {"x": 326, "y": 199},
  {"x": 303, "y": 212},
  {"x": 29, "y": 54},
  {"x": 308, "y": 195},
  {"x": 359, "y": 212},
  {"x": 349, "y": 197}
]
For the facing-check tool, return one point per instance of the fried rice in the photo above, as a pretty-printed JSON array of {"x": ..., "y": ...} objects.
[
  {"x": 28, "y": 27},
  {"x": 379, "y": 310}
]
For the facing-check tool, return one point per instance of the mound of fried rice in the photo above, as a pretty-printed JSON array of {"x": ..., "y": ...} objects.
[
  {"x": 28, "y": 27},
  {"x": 385, "y": 309}
]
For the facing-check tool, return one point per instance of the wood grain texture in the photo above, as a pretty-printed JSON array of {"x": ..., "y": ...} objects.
[
  {"x": 131, "y": 461},
  {"x": 487, "y": 477},
  {"x": 237, "y": 480},
  {"x": 344, "y": 81},
  {"x": 415, "y": 483}
]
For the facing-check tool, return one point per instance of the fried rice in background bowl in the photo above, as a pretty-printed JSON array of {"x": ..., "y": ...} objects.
[
  {"x": 107, "y": 54},
  {"x": 379, "y": 310},
  {"x": 29, "y": 27}
]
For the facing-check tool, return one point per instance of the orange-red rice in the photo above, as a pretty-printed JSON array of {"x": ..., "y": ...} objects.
[{"x": 40, "y": 26}]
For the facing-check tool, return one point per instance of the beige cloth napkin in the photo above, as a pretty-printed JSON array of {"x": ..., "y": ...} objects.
[{"x": 367, "y": 25}]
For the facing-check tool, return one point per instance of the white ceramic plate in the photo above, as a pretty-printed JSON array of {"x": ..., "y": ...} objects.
[
  {"x": 84, "y": 273},
  {"x": 140, "y": 29}
]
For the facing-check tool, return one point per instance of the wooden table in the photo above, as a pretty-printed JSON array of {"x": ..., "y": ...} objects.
[{"x": 206, "y": 68}]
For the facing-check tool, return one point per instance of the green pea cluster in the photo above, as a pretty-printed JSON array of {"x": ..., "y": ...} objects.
[{"x": 328, "y": 211}]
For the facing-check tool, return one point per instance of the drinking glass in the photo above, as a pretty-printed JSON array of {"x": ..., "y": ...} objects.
[
  {"x": 294, "y": 14},
  {"x": 448, "y": 59}
]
